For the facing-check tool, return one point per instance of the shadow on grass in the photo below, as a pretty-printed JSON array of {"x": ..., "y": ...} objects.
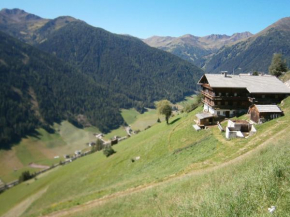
[
  {"x": 172, "y": 122},
  {"x": 16, "y": 139}
]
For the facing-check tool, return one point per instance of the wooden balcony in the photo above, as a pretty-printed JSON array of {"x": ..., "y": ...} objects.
[
  {"x": 208, "y": 95},
  {"x": 226, "y": 98},
  {"x": 235, "y": 107}
]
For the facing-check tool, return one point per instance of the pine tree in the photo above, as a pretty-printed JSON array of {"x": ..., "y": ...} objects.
[{"x": 278, "y": 65}]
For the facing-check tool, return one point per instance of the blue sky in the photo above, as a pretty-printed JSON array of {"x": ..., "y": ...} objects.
[{"x": 145, "y": 18}]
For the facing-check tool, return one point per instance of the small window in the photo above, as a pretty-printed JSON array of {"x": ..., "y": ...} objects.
[
  {"x": 263, "y": 96},
  {"x": 220, "y": 93},
  {"x": 219, "y": 103},
  {"x": 227, "y": 94},
  {"x": 235, "y": 94},
  {"x": 218, "y": 113}
]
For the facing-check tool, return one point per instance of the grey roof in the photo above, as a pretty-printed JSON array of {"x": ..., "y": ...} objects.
[
  {"x": 268, "y": 108},
  {"x": 254, "y": 84},
  {"x": 203, "y": 115}
]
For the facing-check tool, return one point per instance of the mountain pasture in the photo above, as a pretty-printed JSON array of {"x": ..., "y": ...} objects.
[{"x": 199, "y": 162}]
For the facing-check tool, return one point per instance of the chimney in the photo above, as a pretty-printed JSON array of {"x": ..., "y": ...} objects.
[{"x": 224, "y": 73}]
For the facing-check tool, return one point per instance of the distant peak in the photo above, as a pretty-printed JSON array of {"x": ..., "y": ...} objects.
[
  {"x": 12, "y": 11},
  {"x": 247, "y": 33},
  {"x": 18, "y": 15},
  {"x": 216, "y": 36}
]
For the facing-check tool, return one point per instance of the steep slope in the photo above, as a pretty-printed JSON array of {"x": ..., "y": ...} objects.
[
  {"x": 29, "y": 27},
  {"x": 123, "y": 64},
  {"x": 20, "y": 24},
  {"x": 129, "y": 72},
  {"x": 177, "y": 165},
  {"x": 256, "y": 52},
  {"x": 195, "y": 49},
  {"x": 38, "y": 89}
]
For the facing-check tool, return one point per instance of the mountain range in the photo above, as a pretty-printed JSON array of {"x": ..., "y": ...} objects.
[
  {"x": 241, "y": 52},
  {"x": 71, "y": 70},
  {"x": 195, "y": 49},
  {"x": 254, "y": 53}
]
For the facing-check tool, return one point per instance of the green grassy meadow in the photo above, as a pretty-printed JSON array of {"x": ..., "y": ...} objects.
[
  {"x": 139, "y": 121},
  {"x": 43, "y": 148},
  {"x": 169, "y": 152}
]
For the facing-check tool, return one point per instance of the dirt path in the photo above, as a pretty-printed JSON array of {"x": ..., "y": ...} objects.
[
  {"x": 19, "y": 209},
  {"x": 33, "y": 165},
  {"x": 100, "y": 201}
]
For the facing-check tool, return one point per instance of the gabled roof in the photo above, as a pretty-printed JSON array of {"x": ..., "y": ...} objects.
[
  {"x": 254, "y": 84},
  {"x": 268, "y": 108}
]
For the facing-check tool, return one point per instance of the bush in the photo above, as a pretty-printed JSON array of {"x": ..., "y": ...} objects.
[
  {"x": 25, "y": 176},
  {"x": 108, "y": 151}
]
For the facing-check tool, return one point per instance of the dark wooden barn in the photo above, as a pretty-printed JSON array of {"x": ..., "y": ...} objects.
[{"x": 263, "y": 113}]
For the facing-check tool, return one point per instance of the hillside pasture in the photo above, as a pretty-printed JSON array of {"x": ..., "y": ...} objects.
[
  {"x": 174, "y": 160},
  {"x": 42, "y": 149}
]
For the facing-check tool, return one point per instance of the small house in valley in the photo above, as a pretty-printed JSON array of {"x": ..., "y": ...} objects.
[
  {"x": 262, "y": 113},
  {"x": 226, "y": 96}
]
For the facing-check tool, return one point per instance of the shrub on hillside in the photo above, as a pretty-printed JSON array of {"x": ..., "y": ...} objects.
[
  {"x": 108, "y": 151},
  {"x": 25, "y": 176}
]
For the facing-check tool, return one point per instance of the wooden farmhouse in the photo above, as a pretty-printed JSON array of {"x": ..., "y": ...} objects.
[{"x": 226, "y": 95}]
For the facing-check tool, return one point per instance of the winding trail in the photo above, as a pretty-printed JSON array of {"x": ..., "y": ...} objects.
[
  {"x": 174, "y": 177},
  {"x": 20, "y": 208}
]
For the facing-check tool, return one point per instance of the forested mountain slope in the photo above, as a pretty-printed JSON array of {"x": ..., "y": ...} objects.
[
  {"x": 38, "y": 89},
  {"x": 109, "y": 72},
  {"x": 255, "y": 53},
  {"x": 123, "y": 64}
]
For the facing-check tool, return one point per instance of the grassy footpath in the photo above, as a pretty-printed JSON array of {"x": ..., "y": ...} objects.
[
  {"x": 245, "y": 188},
  {"x": 166, "y": 151}
]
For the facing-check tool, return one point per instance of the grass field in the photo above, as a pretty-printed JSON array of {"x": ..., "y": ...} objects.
[
  {"x": 43, "y": 148},
  {"x": 169, "y": 152},
  {"x": 139, "y": 121},
  {"x": 66, "y": 140}
]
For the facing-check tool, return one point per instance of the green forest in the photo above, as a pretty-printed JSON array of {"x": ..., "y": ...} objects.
[
  {"x": 85, "y": 74},
  {"x": 124, "y": 64},
  {"x": 38, "y": 89}
]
